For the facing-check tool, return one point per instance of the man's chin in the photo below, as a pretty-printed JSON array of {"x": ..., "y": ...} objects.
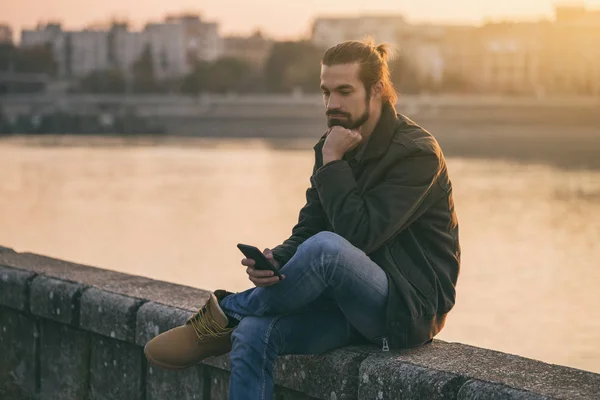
[{"x": 331, "y": 122}]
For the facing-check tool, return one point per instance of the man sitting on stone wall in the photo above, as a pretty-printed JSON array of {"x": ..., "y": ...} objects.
[{"x": 374, "y": 256}]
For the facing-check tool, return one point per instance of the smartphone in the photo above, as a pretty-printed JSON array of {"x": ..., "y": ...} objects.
[{"x": 262, "y": 262}]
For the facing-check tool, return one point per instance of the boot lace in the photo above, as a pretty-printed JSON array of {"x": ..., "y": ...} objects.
[{"x": 206, "y": 326}]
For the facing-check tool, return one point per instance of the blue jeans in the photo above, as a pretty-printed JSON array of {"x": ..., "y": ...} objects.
[{"x": 333, "y": 295}]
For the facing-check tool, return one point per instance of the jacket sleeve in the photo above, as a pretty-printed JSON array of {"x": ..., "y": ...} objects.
[
  {"x": 370, "y": 219},
  {"x": 312, "y": 220}
]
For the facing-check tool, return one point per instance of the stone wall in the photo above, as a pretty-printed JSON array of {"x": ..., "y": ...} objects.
[{"x": 70, "y": 331}]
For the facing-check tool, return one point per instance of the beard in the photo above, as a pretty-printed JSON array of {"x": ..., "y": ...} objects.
[{"x": 348, "y": 122}]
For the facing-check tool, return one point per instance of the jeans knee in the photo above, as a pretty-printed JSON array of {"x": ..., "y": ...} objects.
[{"x": 325, "y": 243}]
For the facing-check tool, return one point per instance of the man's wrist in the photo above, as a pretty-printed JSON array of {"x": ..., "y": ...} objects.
[{"x": 329, "y": 157}]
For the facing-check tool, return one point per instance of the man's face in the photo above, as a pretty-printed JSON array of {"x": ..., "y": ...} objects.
[{"x": 346, "y": 100}]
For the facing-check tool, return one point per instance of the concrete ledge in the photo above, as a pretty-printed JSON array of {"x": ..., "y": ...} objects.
[
  {"x": 485, "y": 365},
  {"x": 14, "y": 287},
  {"x": 382, "y": 377},
  {"x": 218, "y": 385},
  {"x": 56, "y": 299},
  {"x": 116, "y": 369},
  {"x": 179, "y": 296},
  {"x": 187, "y": 384},
  {"x": 72, "y": 331},
  {"x": 154, "y": 319},
  {"x": 478, "y": 390},
  {"x": 109, "y": 314},
  {"x": 64, "y": 361},
  {"x": 282, "y": 393},
  {"x": 18, "y": 349},
  {"x": 333, "y": 375},
  {"x": 6, "y": 250}
]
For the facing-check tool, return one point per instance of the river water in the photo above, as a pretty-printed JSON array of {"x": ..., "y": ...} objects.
[{"x": 175, "y": 211}]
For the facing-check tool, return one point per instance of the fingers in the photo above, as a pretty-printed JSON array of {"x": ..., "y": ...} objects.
[
  {"x": 269, "y": 254},
  {"x": 356, "y": 136},
  {"x": 262, "y": 282},
  {"x": 343, "y": 139},
  {"x": 262, "y": 278},
  {"x": 258, "y": 273},
  {"x": 248, "y": 262}
]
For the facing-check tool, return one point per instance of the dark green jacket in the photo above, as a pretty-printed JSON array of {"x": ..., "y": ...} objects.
[{"x": 395, "y": 204}]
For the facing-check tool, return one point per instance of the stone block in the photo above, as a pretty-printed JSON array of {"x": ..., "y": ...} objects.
[
  {"x": 6, "y": 250},
  {"x": 109, "y": 314},
  {"x": 18, "y": 347},
  {"x": 115, "y": 370},
  {"x": 479, "y": 390},
  {"x": 180, "y": 296},
  {"x": 288, "y": 394},
  {"x": 153, "y": 319},
  {"x": 168, "y": 384},
  {"x": 384, "y": 377},
  {"x": 333, "y": 374},
  {"x": 553, "y": 381},
  {"x": 55, "y": 299},
  {"x": 64, "y": 362},
  {"x": 219, "y": 384},
  {"x": 14, "y": 287},
  {"x": 325, "y": 376},
  {"x": 221, "y": 362}
]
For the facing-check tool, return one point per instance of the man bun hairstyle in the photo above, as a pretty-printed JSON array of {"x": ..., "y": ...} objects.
[{"x": 373, "y": 60}]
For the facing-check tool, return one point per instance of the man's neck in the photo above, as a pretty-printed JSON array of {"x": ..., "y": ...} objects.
[{"x": 368, "y": 127}]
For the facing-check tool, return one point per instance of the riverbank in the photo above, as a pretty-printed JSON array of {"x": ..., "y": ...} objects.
[{"x": 558, "y": 131}]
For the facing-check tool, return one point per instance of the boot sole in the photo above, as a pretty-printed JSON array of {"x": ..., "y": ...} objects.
[
  {"x": 176, "y": 367},
  {"x": 167, "y": 366}
]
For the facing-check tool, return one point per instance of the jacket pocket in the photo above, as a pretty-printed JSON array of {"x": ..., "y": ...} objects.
[{"x": 411, "y": 271}]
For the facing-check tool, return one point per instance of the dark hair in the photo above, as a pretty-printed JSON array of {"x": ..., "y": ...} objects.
[{"x": 373, "y": 61}]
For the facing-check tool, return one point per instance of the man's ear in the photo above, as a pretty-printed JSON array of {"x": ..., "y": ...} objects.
[{"x": 377, "y": 90}]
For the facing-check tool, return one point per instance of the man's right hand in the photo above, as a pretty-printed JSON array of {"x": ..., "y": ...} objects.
[
  {"x": 339, "y": 141},
  {"x": 259, "y": 277}
]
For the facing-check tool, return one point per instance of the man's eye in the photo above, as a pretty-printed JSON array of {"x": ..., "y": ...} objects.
[
  {"x": 345, "y": 93},
  {"x": 325, "y": 93}
]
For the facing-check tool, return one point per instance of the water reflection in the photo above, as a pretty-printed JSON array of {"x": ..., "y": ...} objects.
[{"x": 175, "y": 210}]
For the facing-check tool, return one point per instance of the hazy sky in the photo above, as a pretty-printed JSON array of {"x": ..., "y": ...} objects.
[{"x": 278, "y": 18}]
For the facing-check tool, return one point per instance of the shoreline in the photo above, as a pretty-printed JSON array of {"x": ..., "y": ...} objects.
[{"x": 580, "y": 150}]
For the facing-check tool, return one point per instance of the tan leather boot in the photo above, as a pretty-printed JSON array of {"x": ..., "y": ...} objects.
[{"x": 204, "y": 335}]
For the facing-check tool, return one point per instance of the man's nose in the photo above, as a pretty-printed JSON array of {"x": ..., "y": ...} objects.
[{"x": 333, "y": 103}]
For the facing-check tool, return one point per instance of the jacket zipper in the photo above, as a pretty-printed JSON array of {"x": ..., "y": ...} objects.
[{"x": 385, "y": 344}]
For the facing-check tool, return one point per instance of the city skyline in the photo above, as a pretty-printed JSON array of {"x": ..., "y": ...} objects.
[{"x": 292, "y": 22}]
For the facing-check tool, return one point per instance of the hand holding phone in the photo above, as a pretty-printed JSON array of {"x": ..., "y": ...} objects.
[{"x": 261, "y": 261}]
